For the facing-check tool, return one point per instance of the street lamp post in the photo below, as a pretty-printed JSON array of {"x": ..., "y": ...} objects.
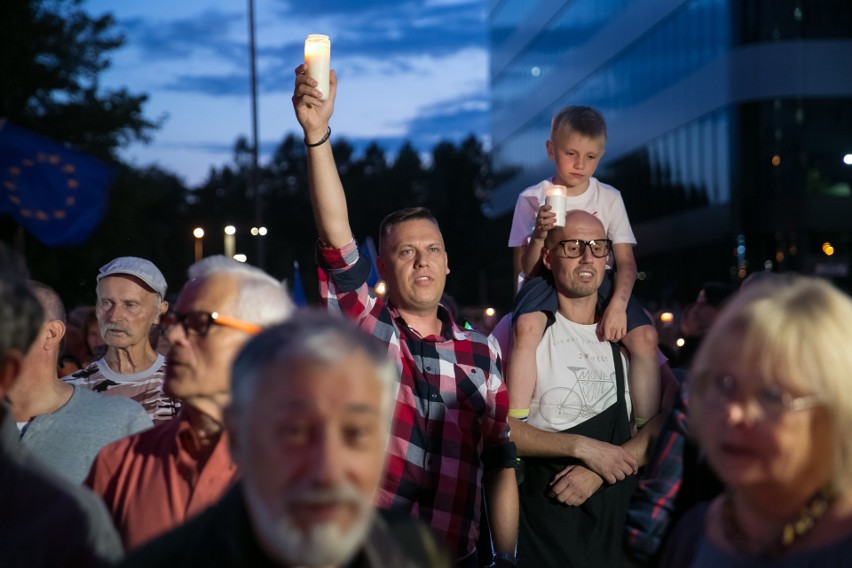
[
  {"x": 198, "y": 233},
  {"x": 255, "y": 187},
  {"x": 230, "y": 241}
]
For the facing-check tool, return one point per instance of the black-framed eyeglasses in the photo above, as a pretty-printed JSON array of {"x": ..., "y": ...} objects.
[
  {"x": 198, "y": 323},
  {"x": 575, "y": 248}
]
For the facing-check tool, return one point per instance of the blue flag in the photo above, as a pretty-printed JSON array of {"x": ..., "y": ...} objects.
[
  {"x": 368, "y": 249},
  {"x": 298, "y": 291},
  {"x": 55, "y": 193}
]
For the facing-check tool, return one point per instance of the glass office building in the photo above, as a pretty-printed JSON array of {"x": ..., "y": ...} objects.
[{"x": 730, "y": 126}]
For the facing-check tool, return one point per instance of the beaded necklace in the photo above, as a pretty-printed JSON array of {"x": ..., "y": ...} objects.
[{"x": 792, "y": 531}]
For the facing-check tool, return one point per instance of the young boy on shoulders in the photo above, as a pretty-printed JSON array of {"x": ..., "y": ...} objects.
[{"x": 576, "y": 145}]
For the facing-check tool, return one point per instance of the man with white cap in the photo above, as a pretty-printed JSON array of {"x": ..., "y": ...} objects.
[
  {"x": 130, "y": 300},
  {"x": 157, "y": 479}
]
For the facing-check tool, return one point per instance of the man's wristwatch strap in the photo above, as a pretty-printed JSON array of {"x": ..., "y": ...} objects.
[{"x": 508, "y": 556}]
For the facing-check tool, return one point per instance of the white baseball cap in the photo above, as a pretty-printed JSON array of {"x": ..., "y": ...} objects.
[{"x": 143, "y": 269}]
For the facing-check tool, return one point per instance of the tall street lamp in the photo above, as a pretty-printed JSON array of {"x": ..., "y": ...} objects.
[{"x": 255, "y": 187}]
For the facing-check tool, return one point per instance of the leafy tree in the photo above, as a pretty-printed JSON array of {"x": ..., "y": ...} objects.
[
  {"x": 453, "y": 186},
  {"x": 51, "y": 53},
  {"x": 287, "y": 211}
]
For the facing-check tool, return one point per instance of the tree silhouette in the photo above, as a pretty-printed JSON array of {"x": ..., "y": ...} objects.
[
  {"x": 453, "y": 186},
  {"x": 51, "y": 53}
]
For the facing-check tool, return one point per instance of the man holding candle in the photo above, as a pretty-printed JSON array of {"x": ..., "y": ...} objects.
[{"x": 450, "y": 434}]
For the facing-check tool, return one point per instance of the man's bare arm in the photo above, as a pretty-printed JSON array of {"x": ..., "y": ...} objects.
[
  {"x": 501, "y": 493},
  {"x": 527, "y": 258},
  {"x": 612, "y": 463},
  {"x": 327, "y": 197},
  {"x": 576, "y": 483}
]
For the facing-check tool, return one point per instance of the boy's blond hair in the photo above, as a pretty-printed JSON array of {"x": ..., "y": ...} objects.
[{"x": 581, "y": 120}]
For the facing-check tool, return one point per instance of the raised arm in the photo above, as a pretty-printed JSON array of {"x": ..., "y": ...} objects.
[
  {"x": 528, "y": 258},
  {"x": 327, "y": 197}
]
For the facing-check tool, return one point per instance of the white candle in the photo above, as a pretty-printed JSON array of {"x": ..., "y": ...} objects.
[
  {"x": 556, "y": 197},
  {"x": 318, "y": 60}
]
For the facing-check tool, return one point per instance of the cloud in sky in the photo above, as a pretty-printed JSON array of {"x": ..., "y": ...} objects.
[{"x": 408, "y": 69}]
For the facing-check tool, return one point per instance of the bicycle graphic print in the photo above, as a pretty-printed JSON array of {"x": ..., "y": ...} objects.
[{"x": 593, "y": 392}]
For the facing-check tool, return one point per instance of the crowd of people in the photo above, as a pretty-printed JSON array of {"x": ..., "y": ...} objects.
[{"x": 229, "y": 429}]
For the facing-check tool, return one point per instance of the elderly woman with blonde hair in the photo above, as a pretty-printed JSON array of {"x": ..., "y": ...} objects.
[{"x": 771, "y": 407}]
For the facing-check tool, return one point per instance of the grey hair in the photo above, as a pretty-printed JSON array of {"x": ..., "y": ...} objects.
[
  {"x": 313, "y": 336},
  {"x": 261, "y": 299}
]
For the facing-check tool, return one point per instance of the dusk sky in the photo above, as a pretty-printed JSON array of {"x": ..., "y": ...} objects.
[{"x": 408, "y": 69}]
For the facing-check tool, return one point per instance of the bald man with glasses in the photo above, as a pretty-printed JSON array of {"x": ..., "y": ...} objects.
[
  {"x": 571, "y": 422},
  {"x": 156, "y": 480}
]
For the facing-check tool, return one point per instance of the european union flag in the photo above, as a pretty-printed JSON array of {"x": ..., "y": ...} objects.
[{"x": 55, "y": 193}]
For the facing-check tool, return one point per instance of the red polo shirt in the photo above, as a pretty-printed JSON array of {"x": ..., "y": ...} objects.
[{"x": 154, "y": 481}]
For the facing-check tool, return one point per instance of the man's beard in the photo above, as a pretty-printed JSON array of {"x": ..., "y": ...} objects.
[{"x": 324, "y": 544}]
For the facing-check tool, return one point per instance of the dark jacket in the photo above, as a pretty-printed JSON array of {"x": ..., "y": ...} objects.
[{"x": 222, "y": 536}]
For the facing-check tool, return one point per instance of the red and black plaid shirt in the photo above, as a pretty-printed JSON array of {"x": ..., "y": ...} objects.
[{"x": 449, "y": 424}]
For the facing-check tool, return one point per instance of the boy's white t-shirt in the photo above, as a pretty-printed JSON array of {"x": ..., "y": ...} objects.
[{"x": 601, "y": 200}]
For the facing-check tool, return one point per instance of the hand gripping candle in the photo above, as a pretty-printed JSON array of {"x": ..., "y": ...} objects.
[
  {"x": 555, "y": 196},
  {"x": 318, "y": 60}
]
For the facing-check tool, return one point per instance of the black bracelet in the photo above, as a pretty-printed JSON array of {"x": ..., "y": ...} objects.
[{"x": 321, "y": 142}]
